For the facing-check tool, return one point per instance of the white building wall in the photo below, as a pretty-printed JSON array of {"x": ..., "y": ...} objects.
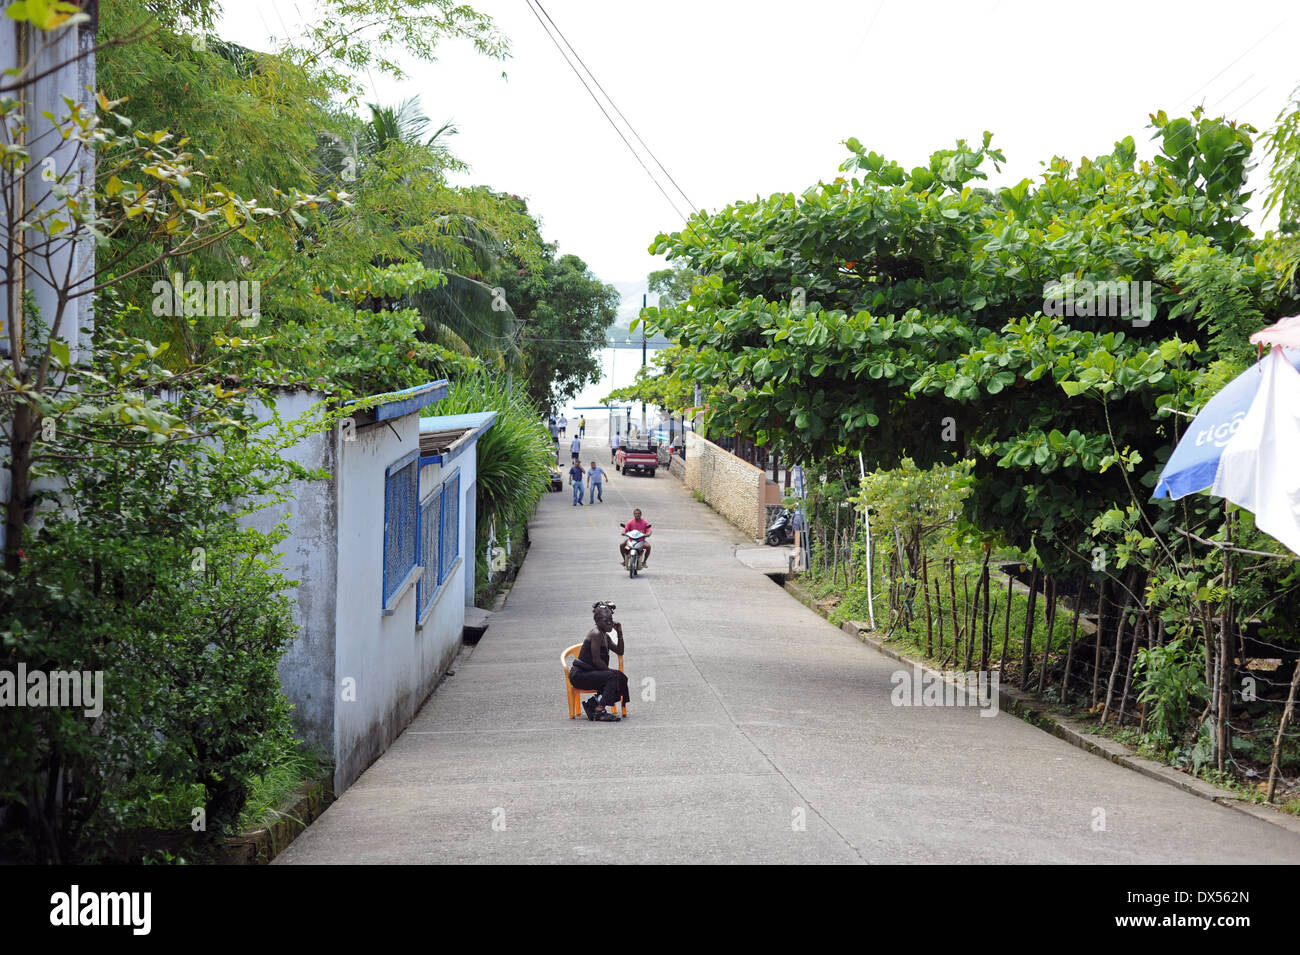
[
  {"x": 394, "y": 663},
  {"x": 309, "y": 556}
]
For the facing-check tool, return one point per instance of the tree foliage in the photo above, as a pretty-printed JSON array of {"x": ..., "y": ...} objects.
[{"x": 890, "y": 309}]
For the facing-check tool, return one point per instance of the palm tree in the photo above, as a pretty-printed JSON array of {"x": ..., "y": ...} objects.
[{"x": 463, "y": 314}]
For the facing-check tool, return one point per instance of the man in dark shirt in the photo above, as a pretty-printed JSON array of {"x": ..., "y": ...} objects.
[
  {"x": 591, "y": 670},
  {"x": 575, "y": 478}
]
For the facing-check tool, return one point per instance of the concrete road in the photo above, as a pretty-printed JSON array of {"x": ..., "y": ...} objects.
[{"x": 765, "y": 735}]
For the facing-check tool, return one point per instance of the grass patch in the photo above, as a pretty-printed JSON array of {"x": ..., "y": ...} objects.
[{"x": 270, "y": 790}]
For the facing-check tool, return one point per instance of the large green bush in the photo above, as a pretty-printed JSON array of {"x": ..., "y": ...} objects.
[{"x": 141, "y": 571}]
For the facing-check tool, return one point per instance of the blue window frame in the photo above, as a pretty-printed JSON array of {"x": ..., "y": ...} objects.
[
  {"x": 450, "y": 527},
  {"x": 430, "y": 535},
  {"x": 439, "y": 539},
  {"x": 401, "y": 490}
]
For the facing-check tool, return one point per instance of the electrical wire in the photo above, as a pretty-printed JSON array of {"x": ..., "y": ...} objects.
[
  {"x": 648, "y": 150},
  {"x": 595, "y": 99}
]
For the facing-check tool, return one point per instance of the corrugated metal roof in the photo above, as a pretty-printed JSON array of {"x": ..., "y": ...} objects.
[{"x": 445, "y": 436}]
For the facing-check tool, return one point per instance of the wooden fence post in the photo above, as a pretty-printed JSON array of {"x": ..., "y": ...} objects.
[{"x": 1027, "y": 656}]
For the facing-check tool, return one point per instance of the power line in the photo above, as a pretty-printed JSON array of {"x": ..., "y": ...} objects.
[
  {"x": 648, "y": 150},
  {"x": 1233, "y": 63},
  {"x": 595, "y": 99}
]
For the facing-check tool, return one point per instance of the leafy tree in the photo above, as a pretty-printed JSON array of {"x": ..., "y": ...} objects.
[
  {"x": 564, "y": 310},
  {"x": 881, "y": 313},
  {"x": 658, "y": 386},
  {"x": 673, "y": 286}
]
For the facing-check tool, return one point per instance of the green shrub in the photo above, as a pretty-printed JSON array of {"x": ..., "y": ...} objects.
[
  {"x": 515, "y": 456},
  {"x": 141, "y": 571},
  {"x": 1168, "y": 680}
]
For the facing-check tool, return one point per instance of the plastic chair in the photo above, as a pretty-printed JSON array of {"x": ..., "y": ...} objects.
[{"x": 574, "y": 694}]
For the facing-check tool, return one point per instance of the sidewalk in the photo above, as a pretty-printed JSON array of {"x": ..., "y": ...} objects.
[{"x": 771, "y": 736}]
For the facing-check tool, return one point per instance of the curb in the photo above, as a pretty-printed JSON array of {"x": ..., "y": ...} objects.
[
  {"x": 260, "y": 846},
  {"x": 1035, "y": 712}
]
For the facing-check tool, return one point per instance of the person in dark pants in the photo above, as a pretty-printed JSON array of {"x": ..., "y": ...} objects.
[
  {"x": 591, "y": 671},
  {"x": 575, "y": 479}
]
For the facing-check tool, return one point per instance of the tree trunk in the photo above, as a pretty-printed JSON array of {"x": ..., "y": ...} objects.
[
  {"x": 952, "y": 598},
  {"x": 1096, "y": 637},
  {"x": 20, "y": 486},
  {"x": 1222, "y": 740},
  {"x": 1027, "y": 657},
  {"x": 1119, "y": 644},
  {"x": 1074, "y": 632},
  {"x": 967, "y": 616},
  {"x": 1281, "y": 730},
  {"x": 925, "y": 589},
  {"x": 1050, "y": 596},
  {"x": 985, "y": 635},
  {"x": 835, "y": 546},
  {"x": 938, "y": 606},
  {"x": 1138, "y": 629},
  {"x": 1006, "y": 625}
]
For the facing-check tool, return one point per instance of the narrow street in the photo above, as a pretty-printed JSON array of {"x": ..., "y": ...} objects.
[{"x": 766, "y": 736}]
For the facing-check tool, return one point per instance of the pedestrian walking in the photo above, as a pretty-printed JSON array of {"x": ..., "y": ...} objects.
[
  {"x": 582, "y": 426},
  {"x": 575, "y": 478},
  {"x": 596, "y": 478},
  {"x": 576, "y": 449},
  {"x": 614, "y": 442},
  {"x": 564, "y": 424}
]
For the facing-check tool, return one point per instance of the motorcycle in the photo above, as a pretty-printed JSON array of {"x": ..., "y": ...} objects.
[
  {"x": 781, "y": 530},
  {"x": 635, "y": 550}
]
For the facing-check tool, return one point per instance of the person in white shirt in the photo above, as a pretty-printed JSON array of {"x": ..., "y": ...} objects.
[
  {"x": 596, "y": 480},
  {"x": 576, "y": 448},
  {"x": 613, "y": 446}
]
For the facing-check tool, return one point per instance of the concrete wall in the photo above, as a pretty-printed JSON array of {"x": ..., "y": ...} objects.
[
  {"x": 65, "y": 66},
  {"x": 444, "y": 624},
  {"x": 309, "y": 556},
  {"x": 394, "y": 662},
  {"x": 469, "y": 508},
  {"x": 732, "y": 487}
]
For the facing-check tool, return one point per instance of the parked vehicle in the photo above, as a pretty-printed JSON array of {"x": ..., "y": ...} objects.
[
  {"x": 781, "y": 530},
  {"x": 642, "y": 458},
  {"x": 635, "y": 550}
]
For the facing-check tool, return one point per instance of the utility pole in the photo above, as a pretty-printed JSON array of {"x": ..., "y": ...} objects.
[{"x": 642, "y": 360}]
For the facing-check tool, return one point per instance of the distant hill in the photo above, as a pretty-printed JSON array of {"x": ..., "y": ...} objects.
[{"x": 619, "y": 330}]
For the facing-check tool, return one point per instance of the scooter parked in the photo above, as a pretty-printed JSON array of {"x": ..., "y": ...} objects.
[{"x": 781, "y": 530}]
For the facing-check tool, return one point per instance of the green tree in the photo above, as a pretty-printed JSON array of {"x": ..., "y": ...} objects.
[
  {"x": 672, "y": 286},
  {"x": 564, "y": 310}
]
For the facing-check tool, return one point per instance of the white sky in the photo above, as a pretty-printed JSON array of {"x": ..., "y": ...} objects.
[{"x": 744, "y": 99}]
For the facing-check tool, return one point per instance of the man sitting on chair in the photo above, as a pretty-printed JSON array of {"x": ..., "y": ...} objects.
[{"x": 591, "y": 671}]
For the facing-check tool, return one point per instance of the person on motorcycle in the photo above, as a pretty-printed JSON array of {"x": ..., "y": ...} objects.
[
  {"x": 636, "y": 524},
  {"x": 591, "y": 669}
]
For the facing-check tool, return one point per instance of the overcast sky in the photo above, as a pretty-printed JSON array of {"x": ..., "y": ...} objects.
[{"x": 745, "y": 99}]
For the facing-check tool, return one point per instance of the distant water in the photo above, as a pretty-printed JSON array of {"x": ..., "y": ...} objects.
[{"x": 619, "y": 367}]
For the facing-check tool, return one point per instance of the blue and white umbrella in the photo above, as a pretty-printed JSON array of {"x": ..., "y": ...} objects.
[{"x": 1195, "y": 462}]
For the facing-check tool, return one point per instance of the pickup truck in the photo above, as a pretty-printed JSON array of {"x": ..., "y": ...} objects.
[{"x": 643, "y": 458}]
